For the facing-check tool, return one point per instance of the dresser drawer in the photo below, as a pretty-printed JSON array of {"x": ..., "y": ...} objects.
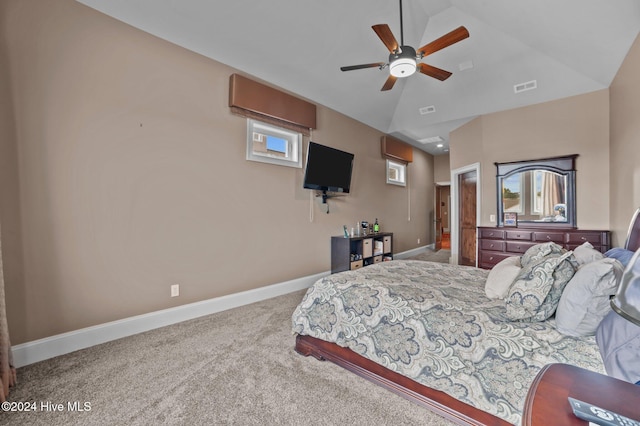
[
  {"x": 601, "y": 249},
  {"x": 494, "y": 234},
  {"x": 556, "y": 237},
  {"x": 356, "y": 265},
  {"x": 518, "y": 235},
  {"x": 495, "y": 245},
  {"x": 519, "y": 246},
  {"x": 488, "y": 259},
  {"x": 594, "y": 238}
]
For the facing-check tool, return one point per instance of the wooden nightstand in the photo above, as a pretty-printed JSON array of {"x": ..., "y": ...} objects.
[{"x": 547, "y": 403}]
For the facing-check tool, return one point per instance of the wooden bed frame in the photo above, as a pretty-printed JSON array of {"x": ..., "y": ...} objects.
[{"x": 434, "y": 400}]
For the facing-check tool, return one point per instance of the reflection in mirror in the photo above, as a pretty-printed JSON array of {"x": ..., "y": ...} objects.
[
  {"x": 539, "y": 191},
  {"x": 536, "y": 195}
]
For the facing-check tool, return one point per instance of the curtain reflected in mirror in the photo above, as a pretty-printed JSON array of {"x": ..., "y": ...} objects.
[
  {"x": 538, "y": 191},
  {"x": 536, "y": 195}
]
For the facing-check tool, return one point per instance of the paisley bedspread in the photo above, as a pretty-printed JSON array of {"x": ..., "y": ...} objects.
[{"x": 433, "y": 323}]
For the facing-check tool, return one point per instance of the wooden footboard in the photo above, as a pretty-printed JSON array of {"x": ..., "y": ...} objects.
[{"x": 434, "y": 400}]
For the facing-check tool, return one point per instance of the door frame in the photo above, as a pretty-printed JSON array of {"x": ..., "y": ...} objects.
[{"x": 455, "y": 208}]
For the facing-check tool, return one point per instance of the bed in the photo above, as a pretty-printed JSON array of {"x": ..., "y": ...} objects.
[{"x": 428, "y": 332}]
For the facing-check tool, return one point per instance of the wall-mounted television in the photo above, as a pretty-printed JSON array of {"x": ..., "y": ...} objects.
[{"x": 328, "y": 169}]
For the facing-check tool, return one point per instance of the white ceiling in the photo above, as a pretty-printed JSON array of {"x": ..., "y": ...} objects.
[{"x": 568, "y": 46}]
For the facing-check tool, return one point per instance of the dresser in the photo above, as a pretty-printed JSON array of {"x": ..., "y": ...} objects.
[{"x": 496, "y": 244}]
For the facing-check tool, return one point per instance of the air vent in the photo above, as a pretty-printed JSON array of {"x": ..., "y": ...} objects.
[
  {"x": 431, "y": 139},
  {"x": 523, "y": 87},
  {"x": 427, "y": 110}
]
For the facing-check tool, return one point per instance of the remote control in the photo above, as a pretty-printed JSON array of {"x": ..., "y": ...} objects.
[{"x": 599, "y": 416}]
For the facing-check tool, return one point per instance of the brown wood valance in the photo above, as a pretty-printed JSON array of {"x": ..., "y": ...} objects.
[
  {"x": 251, "y": 99},
  {"x": 396, "y": 149}
]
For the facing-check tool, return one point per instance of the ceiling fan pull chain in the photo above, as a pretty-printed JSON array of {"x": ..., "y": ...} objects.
[{"x": 401, "y": 28}]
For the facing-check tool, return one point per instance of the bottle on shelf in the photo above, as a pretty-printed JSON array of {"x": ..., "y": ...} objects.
[{"x": 376, "y": 227}]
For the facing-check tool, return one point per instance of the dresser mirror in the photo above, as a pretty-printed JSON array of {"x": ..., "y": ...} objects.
[{"x": 541, "y": 192}]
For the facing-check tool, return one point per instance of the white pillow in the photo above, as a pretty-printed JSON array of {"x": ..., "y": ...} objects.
[
  {"x": 585, "y": 300},
  {"x": 501, "y": 277},
  {"x": 585, "y": 253}
]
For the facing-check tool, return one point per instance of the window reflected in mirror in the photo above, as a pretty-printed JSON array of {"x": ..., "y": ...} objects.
[{"x": 536, "y": 195}]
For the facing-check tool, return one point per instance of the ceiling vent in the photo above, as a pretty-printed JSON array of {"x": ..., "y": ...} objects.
[
  {"x": 523, "y": 87},
  {"x": 431, "y": 139},
  {"x": 427, "y": 110}
]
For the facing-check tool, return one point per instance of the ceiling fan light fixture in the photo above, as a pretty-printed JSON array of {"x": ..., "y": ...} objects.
[{"x": 403, "y": 64}]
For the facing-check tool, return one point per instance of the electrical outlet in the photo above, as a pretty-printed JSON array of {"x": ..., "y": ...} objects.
[
  {"x": 492, "y": 218},
  {"x": 175, "y": 290},
  {"x": 418, "y": 240}
]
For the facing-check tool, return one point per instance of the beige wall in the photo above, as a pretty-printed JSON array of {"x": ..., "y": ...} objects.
[
  {"x": 442, "y": 168},
  {"x": 576, "y": 125},
  {"x": 9, "y": 196},
  {"x": 625, "y": 144},
  {"x": 123, "y": 172}
]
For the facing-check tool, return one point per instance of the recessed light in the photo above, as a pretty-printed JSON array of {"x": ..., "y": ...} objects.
[
  {"x": 439, "y": 145},
  {"x": 431, "y": 139}
]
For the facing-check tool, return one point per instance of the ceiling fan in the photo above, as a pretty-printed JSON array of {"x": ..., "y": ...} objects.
[{"x": 404, "y": 60}]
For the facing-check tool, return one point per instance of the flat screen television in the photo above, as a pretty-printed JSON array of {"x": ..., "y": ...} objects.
[{"x": 328, "y": 169}]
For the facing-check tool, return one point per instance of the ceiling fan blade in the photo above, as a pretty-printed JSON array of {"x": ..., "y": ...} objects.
[
  {"x": 388, "y": 85},
  {"x": 359, "y": 67},
  {"x": 434, "y": 72},
  {"x": 385, "y": 34},
  {"x": 446, "y": 40}
]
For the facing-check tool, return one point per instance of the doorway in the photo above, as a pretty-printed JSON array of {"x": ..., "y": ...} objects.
[
  {"x": 443, "y": 217},
  {"x": 465, "y": 212}
]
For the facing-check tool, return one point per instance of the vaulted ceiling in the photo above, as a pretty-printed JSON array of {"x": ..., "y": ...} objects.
[{"x": 567, "y": 47}]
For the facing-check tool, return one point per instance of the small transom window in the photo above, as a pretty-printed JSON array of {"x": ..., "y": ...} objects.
[
  {"x": 396, "y": 173},
  {"x": 271, "y": 144}
]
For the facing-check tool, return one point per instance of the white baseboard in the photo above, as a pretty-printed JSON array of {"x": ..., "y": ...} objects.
[{"x": 60, "y": 344}]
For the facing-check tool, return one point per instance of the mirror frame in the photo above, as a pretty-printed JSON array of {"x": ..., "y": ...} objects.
[{"x": 562, "y": 165}]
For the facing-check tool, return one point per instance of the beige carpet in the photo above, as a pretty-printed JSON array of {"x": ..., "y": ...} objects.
[
  {"x": 441, "y": 256},
  {"x": 236, "y": 367}
]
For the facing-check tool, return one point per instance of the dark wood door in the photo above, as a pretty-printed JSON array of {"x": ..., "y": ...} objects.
[{"x": 467, "y": 223}]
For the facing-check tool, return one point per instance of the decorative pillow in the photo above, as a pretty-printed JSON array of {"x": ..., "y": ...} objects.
[
  {"x": 585, "y": 253},
  {"x": 535, "y": 293},
  {"x": 537, "y": 252},
  {"x": 623, "y": 255},
  {"x": 585, "y": 300},
  {"x": 501, "y": 277}
]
